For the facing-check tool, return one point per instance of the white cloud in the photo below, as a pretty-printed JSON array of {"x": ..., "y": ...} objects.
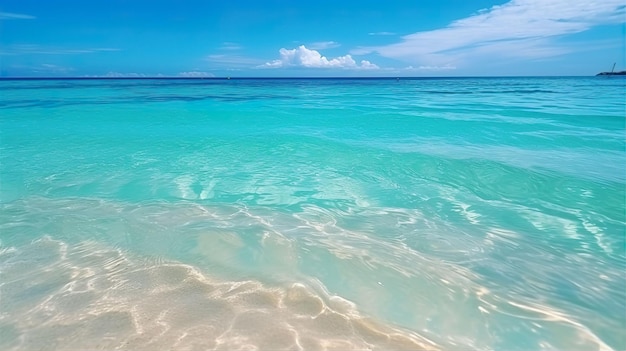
[
  {"x": 29, "y": 49},
  {"x": 195, "y": 74},
  {"x": 9, "y": 15},
  {"x": 433, "y": 68},
  {"x": 303, "y": 57},
  {"x": 227, "y": 45},
  {"x": 429, "y": 68},
  {"x": 44, "y": 68},
  {"x": 47, "y": 67},
  {"x": 114, "y": 74},
  {"x": 381, "y": 33},
  {"x": 322, "y": 45},
  {"x": 232, "y": 60},
  {"x": 123, "y": 75},
  {"x": 365, "y": 64},
  {"x": 520, "y": 28}
]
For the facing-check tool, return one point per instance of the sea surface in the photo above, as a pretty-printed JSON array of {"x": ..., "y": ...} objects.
[{"x": 313, "y": 214}]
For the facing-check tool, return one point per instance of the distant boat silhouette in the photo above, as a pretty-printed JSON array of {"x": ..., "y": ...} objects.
[
  {"x": 612, "y": 73},
  {"x": 619, "y": 73}
]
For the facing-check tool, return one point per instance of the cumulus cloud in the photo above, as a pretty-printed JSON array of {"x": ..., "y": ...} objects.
[
  {"x": 303, "y": 57},
  {"x": 9, "y": 15},
  {"x": 365, "y": 64},
  {"x": 518, "y": 28},
  {"x": 195, "y": 74}
]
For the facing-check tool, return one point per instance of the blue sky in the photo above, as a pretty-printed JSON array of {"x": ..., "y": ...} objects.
[{"x": 310, "y": 38}]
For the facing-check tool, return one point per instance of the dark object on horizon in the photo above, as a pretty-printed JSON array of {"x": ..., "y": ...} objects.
[
  {"x": 612, "y": 73},
  {"x": 620, "y": 73}
]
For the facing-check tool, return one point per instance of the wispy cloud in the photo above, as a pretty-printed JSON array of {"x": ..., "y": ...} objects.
[
  {"x": 30, "y": 49},
  {"x": 227, "y": 45},
  {"x": 430, "y": 68},
  {"x": 323, "y": 45},
  {"x": 10, "y": 16},
  {"x": 381, "y": 33},
  {"x": 232, "y": 61},
  {"x": 124, "y": 75},
  {"x": 195, "y": 74},
  {"x": 47, "y": 68},
  {"x": 518, "y": 29},
  {"x": 114, "y": 74},
  {"x": 303, "y": 57}
]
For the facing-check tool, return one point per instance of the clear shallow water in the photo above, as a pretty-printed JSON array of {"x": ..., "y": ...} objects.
[{"x": 445, "y": 214}]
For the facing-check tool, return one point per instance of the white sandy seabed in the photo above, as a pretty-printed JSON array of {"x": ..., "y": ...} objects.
[{"x": 87, "y": 297}]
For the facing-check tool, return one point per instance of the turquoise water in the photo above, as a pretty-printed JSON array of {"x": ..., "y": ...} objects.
[{"x": 452, "y": 214}]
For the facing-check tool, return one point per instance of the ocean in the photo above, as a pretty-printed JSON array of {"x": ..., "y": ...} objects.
[{"x": 313, "y": 214}]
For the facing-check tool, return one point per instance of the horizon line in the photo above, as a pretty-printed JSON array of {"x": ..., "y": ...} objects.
[{"x": 294, "y": 77}]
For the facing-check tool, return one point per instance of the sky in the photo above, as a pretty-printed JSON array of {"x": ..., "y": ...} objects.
[{"x": 325, "y": 38}]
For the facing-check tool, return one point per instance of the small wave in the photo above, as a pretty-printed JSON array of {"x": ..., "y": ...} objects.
[{"x": 503, "y": 91}]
